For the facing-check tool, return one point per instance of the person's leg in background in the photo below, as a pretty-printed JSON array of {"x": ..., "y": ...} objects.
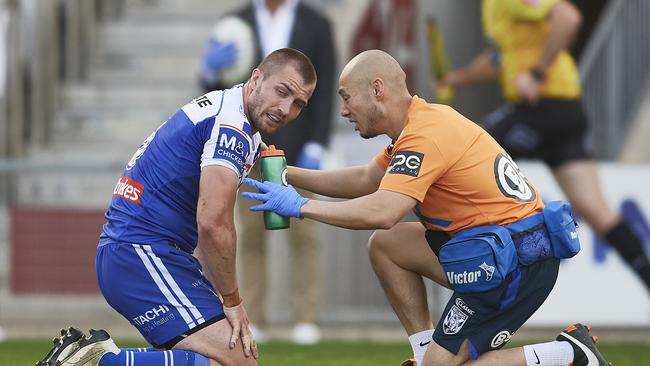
[
  {"x": 555, "y": 131},
  {"x": 251, "y": 241},
  {"x": 305, "y": 278},
  {"x": 579, "y": 182}
]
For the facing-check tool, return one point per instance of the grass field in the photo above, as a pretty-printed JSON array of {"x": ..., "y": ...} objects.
[{"x": 27, "y": 352}]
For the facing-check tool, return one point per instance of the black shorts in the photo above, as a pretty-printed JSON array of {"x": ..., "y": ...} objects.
[
  {"x": 553, "y": 130},
  {"x": 489, "y": 319}
]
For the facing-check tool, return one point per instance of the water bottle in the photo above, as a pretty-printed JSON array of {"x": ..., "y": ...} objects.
[{"x": 274, "y": 169}]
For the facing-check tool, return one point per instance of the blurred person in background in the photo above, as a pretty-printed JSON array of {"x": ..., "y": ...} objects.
[
  {"x": 276, "y": 24},
  {"x": 464, "y": 189},
  {"x": 169, "y": 243},
  {"x": 527, "y": 51}
]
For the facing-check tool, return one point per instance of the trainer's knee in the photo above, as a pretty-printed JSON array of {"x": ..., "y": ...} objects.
[{"x": 378, "y": 245}]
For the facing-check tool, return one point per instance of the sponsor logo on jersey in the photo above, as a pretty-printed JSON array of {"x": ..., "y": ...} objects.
[
  {"x": 203, "y": 101},
  {"x": 500, "y": 339},
  {"x": 406, "y": 162},
  {"x": 461, "y": 304},
  {"x": 232, "y": 146},
  {"x": 463, "y": 277},
  {"x": 129, "y": 189},
  {"x": 454, "y": 320},
  {"x": 510, "y": 180}
]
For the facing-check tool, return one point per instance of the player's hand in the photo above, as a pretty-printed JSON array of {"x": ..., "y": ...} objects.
[
  {"x": 528, "y": 87},
  {"x": 238, "y": 319},
  {"x": 311, "y": 155},
  {"x": 217, "y": 56},
  {"x": 283, "y": 200}
]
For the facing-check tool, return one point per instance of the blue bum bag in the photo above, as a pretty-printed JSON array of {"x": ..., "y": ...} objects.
[
  {"x": 561, "y": 227},
  {"x": 480, "y": 258}
]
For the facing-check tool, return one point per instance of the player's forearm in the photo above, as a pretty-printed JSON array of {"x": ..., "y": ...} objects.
[
  {"x": 564, "y": 23},
  {"x": 218, "y": 253},
  {"x": 481, "y": 69},
  {"x": 350, "y": 182}
]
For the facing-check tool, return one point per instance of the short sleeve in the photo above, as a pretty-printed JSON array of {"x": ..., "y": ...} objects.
[
  {"x": 415, "y": 166},
  {"x": 227, "y": 146},
  {"x": 383, "y": 157},
  {"x": 530, "y": 9}
]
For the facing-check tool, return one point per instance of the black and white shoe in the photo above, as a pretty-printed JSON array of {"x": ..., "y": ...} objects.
[
  {"x": 585, "y": 352},
  {"x": 91, "y": 349},
  {"x": 64, "y": 345}
]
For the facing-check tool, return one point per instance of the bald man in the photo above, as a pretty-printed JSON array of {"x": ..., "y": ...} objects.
[{"x": 467, "y": 193}]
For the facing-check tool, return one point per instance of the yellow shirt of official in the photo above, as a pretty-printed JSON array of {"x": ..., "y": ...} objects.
[{"x": 519, "y": 29}]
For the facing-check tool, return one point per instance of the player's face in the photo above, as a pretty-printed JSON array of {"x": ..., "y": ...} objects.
[
  {"x": 359, "y": 107},
  {"x": 277, "y": 98}
]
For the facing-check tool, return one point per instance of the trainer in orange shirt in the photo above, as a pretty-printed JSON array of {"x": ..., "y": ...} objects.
[{"x": 457, "y": 179}]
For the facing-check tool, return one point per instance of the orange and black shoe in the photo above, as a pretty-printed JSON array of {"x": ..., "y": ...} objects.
[
  {"x": 585, "y": 352},
  {"x": 409, "y": 362}
]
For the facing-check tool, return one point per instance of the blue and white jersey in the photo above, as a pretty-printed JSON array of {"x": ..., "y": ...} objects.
[{"x": 155, "y": 199}]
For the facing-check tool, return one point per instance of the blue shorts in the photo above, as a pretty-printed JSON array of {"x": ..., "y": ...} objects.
[
  {"x": 158, "y": 288},
  {"x": 489, "y": 319}
]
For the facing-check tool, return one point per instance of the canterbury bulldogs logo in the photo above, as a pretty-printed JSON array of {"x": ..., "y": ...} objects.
[
  {"x": 406, "y": 162},
  {"x": 489, "y": 270},
  {"x": 454, "y": 320},
  {"x": 510, "y": 180}
]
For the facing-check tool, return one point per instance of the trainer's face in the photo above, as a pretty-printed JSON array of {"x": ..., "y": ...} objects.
[
  {"x": 359, "y": 107},
  {"x": 276, "y": 98}
]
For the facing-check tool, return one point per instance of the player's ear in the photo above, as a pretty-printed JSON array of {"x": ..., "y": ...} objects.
[{"x": 256, "y": 77}]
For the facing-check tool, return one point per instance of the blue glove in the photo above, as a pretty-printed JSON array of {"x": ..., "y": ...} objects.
[
  {"x": 311, "y": 156},
  {"x": 217, "y": 56},
  {"x": 283, "y": 200}
]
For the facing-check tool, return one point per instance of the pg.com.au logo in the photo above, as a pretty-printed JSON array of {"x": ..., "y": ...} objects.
[{"x": 129, "y": 189}]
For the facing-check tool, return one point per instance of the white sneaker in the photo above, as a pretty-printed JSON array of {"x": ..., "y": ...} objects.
[
  {"x": 259, "y": 335},
  {"x": 305, "y": 333},
  {"x": 91, "y": 350}
]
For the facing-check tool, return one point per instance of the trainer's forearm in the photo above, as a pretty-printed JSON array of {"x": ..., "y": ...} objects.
[
  {"x": 359, "y": 213},
  {"x": 350, "y": 182}
]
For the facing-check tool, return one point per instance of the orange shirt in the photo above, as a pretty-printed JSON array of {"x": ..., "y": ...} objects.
[{"x": 460, "y": 176}]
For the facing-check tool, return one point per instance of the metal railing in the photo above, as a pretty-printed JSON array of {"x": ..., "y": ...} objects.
[
  {"x": 45, "y": 44},
  {"x": 615, "y": 70}
]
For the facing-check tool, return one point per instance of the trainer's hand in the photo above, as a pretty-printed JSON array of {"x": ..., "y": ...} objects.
[
  {"x": 238, "y": 319},
  {"x": 283, "y": 200}
]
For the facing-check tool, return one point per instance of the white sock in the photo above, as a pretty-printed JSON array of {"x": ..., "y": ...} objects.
[
  {"x": 549, "y": 354},
  {"x": 419, "y": 343}
]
